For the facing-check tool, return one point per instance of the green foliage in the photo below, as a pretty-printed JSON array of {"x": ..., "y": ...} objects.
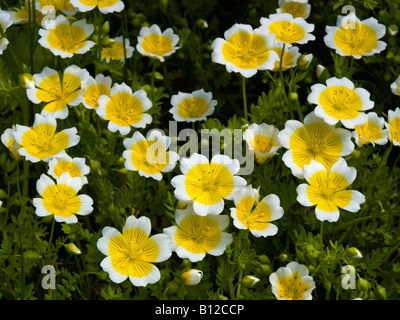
[{"x": 29, "y": 242}]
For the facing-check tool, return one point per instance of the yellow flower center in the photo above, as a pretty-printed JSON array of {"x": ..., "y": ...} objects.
[
  {"x": 198, "y": 234},
  {"x": 133, "y": 252},
  {"x": 100, "y": 3},
  {"x": 326, "y": 191},
  {"x": 292, "y": 287},
  {"x": 61, "y": 200},
  {"x": 295, "y": 9},
  {"x": 149, "y": 156},
  {"x": 245, "y": 50},
  {"x": 92, "y": 94},
  {"x": 42, "y": 142},
  {"x": 316, "y": 141},
  {"x": 209, "y": 183},
  {"x": 56, "y": 94},
  {"x": 395, "y": 129},
  {"x": 287, "y": 32},
  {"x": 358, "y": 41},
  {"x": 287, "y": 61},
  {"x": 192, "y": 108},
  {"x": 157, "y": 44},
  {"x": 257, "y": 219},
  {"x": 67, "y": 38},
  {"x": 368, "y": 132},
  {"x": 340, "y": 102},
  {"x": 124, "y": 109},
  {"x": 113, "y": 52},
  {"x": 67, "y": 166}
]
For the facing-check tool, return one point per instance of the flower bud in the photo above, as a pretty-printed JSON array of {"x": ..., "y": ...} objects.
[
  {"x": 172, "y": 287},
  {"x": 380, "y": 292},
  {"x": 293, "y": 96},
  {"x": 26, "y": 81},
  {"x": 202, "y": 23},
  {"x": 249, "y": 281},
  {"x": 264, "y": 259},
  {"x": 266, "y": 269},
  {"x": 283, "y": 257},
  {"x": 304, "y": 61},
  {"x": 192, "y": 277},
  {"x": 354, "y": 253},
  {"x": 363, "y": 284},
  {"x": 105, "y": 28},
  {"x": 72, "y": 248},
  {"x": 393, "y": 30}
]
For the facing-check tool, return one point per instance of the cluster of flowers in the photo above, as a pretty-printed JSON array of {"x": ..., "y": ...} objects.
[{"x": 315, "y": 148}]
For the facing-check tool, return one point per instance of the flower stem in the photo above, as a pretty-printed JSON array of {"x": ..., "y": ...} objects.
[
  {"x": 153, "y": 76},
  {"x": 244, "y": 97}
]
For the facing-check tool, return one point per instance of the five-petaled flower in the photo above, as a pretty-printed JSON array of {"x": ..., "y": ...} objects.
[
  {"x": 372, "y": 131},
  {"x": 104, "y": 6},
  {"x": 66, "y": 39},
  {"x": 249, "y": 213},
  {"x": 245, "y": 50},
  {"x": 190, "y": 107},
  {"x": 133, "y": 252},
  {"x": 356, "y": 38},
  {"x": 288, "y": 30},
  {"x": 292, "y": 282},
  {"x": 325, "y": 189},
  {"x": 195, "y": 236},
  {"x": 297, "y": 8},
  {"x": 262, "y": 140},
  {"x": 41, "y": 142},
  {"x": 340, "y": 101},
  {"x": 313, "y": 140},
  {"x": 207, "y": 183},
  {"x": 149, "y": 156},
  {"x": 156, "y": 44},
  {"x": 61, "y": 199},
  {"x": 124, "y": 109},
  {"x": 75, "y": 167},
  {"x": 57, "y": 92}
]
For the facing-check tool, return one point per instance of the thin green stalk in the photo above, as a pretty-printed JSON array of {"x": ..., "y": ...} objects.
[
  {"x": 282, "y": 82},
  {"x": 244, "y": 97},
  {"x": 51, "y": 235},
  {"x": 153, "y": 76}
]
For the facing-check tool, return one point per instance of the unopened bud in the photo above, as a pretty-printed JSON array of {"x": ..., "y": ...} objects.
[
  {"x": 105, "y": 28},
  {"x": 354, "y": 253},
  {"x": 393, "y": 30},
  {"x": 381, "y": 292},
  {"x": 72, "y": 249},
  {"x": 202, "y": 23},
  {"x": 264, "y": 259},
  {"x": 363, "y": 284},
  {"x": 320, "y": 70},
  {"x": 304, "y": 61},
  {"x": 293, "y": 96},
  {"x": 249, "y": 281},
  {"x": 26, "y": 81},
  {"x": 192, "y": 277}
]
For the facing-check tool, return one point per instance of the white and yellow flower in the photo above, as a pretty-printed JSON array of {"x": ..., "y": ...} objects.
[
  {"x": 21, "y": 15},
  {"x": 207, "y": 183},
  {"x": 313, "y": 140},
  {"x": 288, "y": 30},
  {"x": 340, "y": 101},
  {"x": 93, "y": 88},
  {"x": 105, "y": 6},
  {"x": 395, "y": 87},
  {"x": 61, "y": 199},
  {"x": 372, "y": 131},
  {"x": 292, "y": 282},
  {"x": 297, "y": 8},
  {"x": 65, "y": 6},
  {"x": 133, "y": 252},
  {"x": 75, "y": 167},
  {"x": 262, "y": 140},
  {"x": 57, "y": 92},
  {"x": 149, "y": 156},
  {"x": 8, "y": 140},
  {"x": 5, "y": 22},
  {"x": 289, "y": 58},
  {"x": 356, "y": 38},
  {"x": 192, "y": 277},
  {"x": 124, "y": 109},
  {"x": 195, "y": 236},
  {"x": 65, "y": 39},
  {"x": 156, "y": 44},
  {"x": 249, "y": 213},
  {"x": 393, "y": 125},
  {"x": 327, "y": 190},
  {"x": 190, "y": 107},
  {"x": 41, "y": 142},
  {"x": 245, "y": 50},
  {"x": 116, "y": 50}
]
